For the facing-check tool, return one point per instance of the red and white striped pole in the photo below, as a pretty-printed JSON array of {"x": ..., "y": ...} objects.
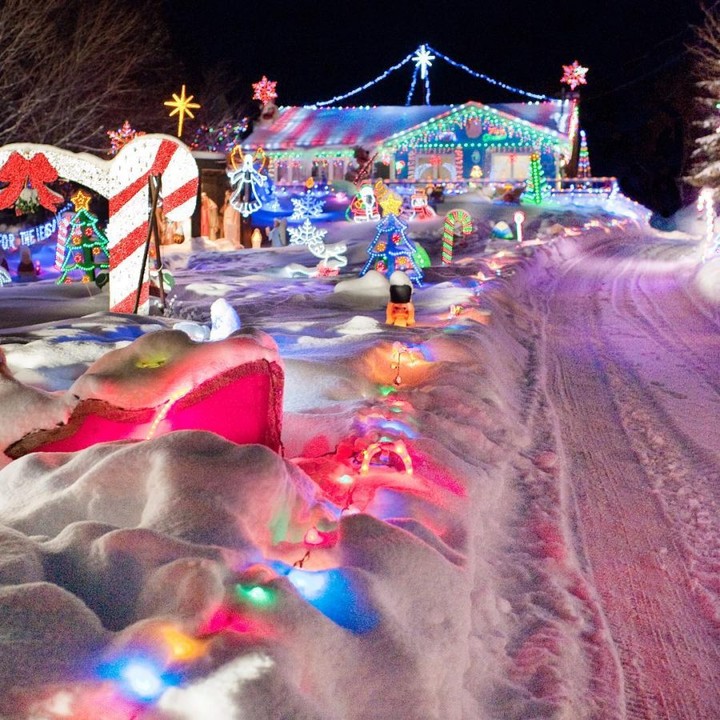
[{"x": 129, "y": 201}]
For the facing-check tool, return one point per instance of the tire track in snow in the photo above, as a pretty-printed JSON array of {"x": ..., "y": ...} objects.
[{"x": 669, "y": 655}]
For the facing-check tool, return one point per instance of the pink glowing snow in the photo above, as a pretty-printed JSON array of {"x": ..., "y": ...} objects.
[{"x": 554, "y": 552}]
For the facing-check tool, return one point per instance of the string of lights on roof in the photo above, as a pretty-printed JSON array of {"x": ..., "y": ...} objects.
[{"x": 423, "y": 59}]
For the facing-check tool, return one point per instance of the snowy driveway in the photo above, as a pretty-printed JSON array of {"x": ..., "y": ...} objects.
[{"x": 629, "y": 368}]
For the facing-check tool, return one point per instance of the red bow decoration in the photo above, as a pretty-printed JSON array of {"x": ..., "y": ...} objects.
[{"x": 19, "y": 170}]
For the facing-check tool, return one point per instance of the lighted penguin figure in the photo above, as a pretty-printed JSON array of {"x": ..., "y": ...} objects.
[{"x": 400, "y": 310}]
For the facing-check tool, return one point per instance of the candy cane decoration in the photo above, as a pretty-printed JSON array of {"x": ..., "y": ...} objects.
[
  {"x": 453, "y": 218},
  {"x": 128, "y": 226}
]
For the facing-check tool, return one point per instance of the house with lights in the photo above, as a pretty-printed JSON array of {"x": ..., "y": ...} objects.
[{"x": 421, "y": 143}]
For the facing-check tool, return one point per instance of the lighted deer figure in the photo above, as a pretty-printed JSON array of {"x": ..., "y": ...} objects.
[{"x": 245, "y": 179}]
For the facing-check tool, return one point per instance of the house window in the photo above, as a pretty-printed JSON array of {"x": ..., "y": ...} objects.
[
  {"x": 509, "y": 166},
  {"x": 435, "y": 166}
]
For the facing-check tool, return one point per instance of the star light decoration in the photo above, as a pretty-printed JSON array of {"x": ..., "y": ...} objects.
[
  {"x": 264, "y": 90},
  {"x": 574, "y": 75},
  {"x": 391, "y": 204},
  {"x": 81, "y": 201},
  {"x": 182, "y": 106},
  {"x": 423, "y": 60}
]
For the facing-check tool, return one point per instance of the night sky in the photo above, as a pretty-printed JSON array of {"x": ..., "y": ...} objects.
[{"x": 636, "y": 108}]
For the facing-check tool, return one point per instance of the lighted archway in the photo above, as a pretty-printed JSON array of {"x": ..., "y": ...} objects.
[{"x": 124, "y": 182}]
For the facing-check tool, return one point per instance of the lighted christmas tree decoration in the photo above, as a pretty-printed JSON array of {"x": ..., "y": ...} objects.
[
  {"x": 181, "y": 105},
  {"x": 574, "y": 75},
  {"x": 246, "y": 180},
  {"x": 584, "y": 158},
  {"x": 264, "y": 90},
  {"x": 122, "y": 136},
  {"x": 536, "y": 187},
  {"x": 86, "y": 245},
  {"x": 391, "y": 250}
]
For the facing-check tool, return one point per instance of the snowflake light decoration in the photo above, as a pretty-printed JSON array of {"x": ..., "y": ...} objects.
[
  {"x": 306, "y": 206},
  {"x": 122, "y": 136},
  {"x": 574, "y": 75},
  {"x": 264, "y": 90},
  {"x": 307, "y": 234},
  {"x": 423, "y": 60}
]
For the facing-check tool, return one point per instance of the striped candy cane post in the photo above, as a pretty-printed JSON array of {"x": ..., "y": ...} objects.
[
  {"x": 62, "y": 229},
  {"x": 129, "y": 203},
  {"x": 453, "y": 218}
]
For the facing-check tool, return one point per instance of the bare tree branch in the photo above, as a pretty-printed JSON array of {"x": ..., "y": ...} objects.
[{"x": 70, "y": 69}]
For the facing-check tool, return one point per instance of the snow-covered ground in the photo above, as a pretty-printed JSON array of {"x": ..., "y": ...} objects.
[{"x": 554, "y": 553}]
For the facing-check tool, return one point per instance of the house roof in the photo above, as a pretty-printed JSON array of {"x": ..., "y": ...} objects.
[{"x": 308, "y": 127}]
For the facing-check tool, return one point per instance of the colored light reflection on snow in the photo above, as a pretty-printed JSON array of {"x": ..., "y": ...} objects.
[
  {"x": 256, "y": 595},
  {"x": 139, "y": 678},
  {"x": 334, "y": 593},
  {"x": 399, "y": 427},
  {"x": 181, "y": 647}
]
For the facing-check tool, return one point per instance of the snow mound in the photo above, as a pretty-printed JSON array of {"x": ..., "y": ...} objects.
[{"x": 707, "y": 281}]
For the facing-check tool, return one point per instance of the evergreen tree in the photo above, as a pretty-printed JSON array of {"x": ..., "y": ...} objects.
[
  {"x": 391, "y": 250},
  {"x": 705, "y": 168},
  {"x": 86, "y": 249}
]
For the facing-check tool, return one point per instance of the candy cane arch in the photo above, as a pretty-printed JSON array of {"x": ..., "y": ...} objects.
[
  {"x": 453, "y": 218},
  {"x": 124, "y": 182}
]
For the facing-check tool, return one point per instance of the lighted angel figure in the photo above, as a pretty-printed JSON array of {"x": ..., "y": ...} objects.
[{"x": 246, "y": 179}]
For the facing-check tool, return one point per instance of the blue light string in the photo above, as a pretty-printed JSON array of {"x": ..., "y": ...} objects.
[
  {"x": 452, "y": 62},
  {"x": 412, "y": 85},
  {"x": 368, "y": 84},
  {"x": 440, "y": 55}
]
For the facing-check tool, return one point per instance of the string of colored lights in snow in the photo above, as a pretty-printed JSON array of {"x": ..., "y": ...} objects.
[{"x": 426, "y": 77}]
